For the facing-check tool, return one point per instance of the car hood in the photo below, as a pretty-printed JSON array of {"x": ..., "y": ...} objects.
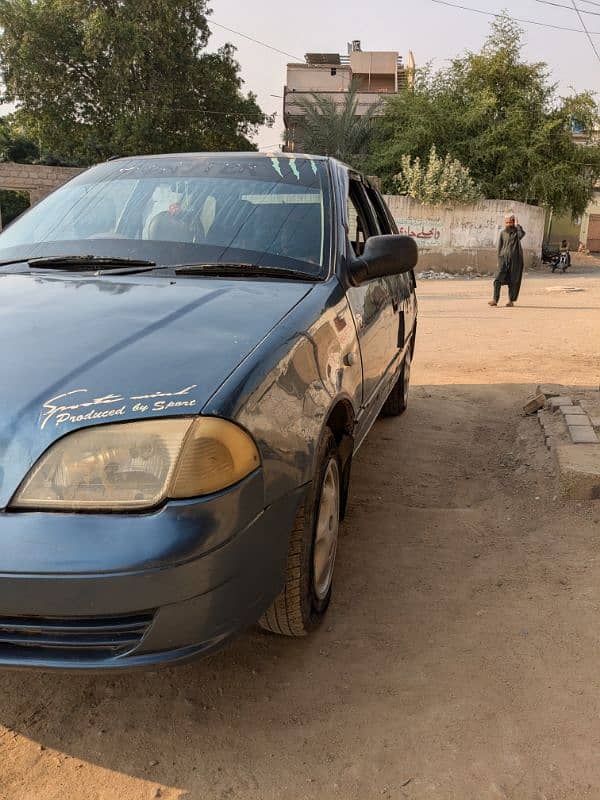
[{"x": 79, "y": 351}]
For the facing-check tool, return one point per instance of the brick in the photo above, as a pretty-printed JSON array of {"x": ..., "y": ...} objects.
[
  {"x": 38, "y": 180},
  {"x": 574, "y": 411},
  {"x": 578, "y": 421},
  {"x": 534, "y": 404},
  {"x": 552, "y": 389},
  {"x": 583, "y": 435},
  {"x": 579, "y": 470},
  {"x": 558, "y": 402}
]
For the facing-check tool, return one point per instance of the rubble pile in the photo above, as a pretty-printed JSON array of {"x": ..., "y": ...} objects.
[{"x": 432, "y": 275}]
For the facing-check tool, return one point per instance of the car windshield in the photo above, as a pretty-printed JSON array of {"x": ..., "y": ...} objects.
[{"x": 252, "y": 210}]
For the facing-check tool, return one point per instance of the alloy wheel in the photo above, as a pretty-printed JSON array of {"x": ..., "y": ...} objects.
[{"x": 327, "y": 531}]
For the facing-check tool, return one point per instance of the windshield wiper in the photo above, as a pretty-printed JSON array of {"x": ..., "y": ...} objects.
[
  {"x": 90, "y": 263},
  {"x": 235, "y": 270}
]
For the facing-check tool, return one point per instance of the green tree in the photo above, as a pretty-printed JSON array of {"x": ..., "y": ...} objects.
[
  {"x": 499, "y": 116},
  {"x": 14, "y": 145},
  {"x": 439, "y": 181},
  {"x": 93, "y": 78},
  {"x": 12, "y": 203},
  {"x": 330, "y": 129}
]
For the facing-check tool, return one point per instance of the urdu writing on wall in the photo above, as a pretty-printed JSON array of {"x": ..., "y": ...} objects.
[{"x": 426, "y": 232}]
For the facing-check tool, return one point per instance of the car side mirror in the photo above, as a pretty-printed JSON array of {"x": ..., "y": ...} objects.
[{"x": 383, "y": 256}]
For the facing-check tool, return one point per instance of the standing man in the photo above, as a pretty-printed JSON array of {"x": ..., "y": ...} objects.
[{"x": 510, "y": 261}]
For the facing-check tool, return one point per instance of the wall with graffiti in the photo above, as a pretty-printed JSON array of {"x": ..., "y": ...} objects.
[
  {"x": 426, "y": 232},
  {"x": 465, "y": 238}
]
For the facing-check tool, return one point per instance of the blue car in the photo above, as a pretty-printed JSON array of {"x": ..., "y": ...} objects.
[{"x": 194, "y": 348}]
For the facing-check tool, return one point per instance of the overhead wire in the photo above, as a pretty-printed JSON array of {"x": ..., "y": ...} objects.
[
  {"x": 268, "y": 46},
  {"x": 252, "y": 39},
  {"x": 583, "y": 25},
  {"x": 569, "y": 8},
  {"x": 302, "y": 59},
  {"x": 439, "y": 2},
  {"x": 516, "y": 19}
]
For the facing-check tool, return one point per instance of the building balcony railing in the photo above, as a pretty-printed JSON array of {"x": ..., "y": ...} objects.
[{"x": 365, "y": 101}]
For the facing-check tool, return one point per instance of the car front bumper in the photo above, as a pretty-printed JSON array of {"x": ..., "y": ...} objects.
[{"x": 90, "y": 591}]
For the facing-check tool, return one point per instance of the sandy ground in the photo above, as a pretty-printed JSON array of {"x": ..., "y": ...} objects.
[{"x": 460, "y": 657}]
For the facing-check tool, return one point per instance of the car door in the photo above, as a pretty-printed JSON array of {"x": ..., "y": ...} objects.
[
  {"x": 402, "y": 287},
  {"x": 373, "y": 307}
]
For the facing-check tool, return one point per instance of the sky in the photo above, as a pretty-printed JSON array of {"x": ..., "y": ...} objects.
[{"x": 433, "y": 32}]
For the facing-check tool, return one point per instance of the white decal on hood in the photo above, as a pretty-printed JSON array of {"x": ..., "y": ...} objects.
[{"x": 61, "y": 409}]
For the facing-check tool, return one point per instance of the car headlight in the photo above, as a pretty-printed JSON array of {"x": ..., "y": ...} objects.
[{"x": 137, "y": 465}]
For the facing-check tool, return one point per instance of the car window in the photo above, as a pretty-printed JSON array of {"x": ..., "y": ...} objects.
[
  {"x": 376, "y": 205},
  {"x": 275, "y": 210},
  {"x": 405, "y": 282},
  {"x": 360, "y": 224}
]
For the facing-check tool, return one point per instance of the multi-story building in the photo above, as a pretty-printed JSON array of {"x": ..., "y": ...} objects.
[
  {"x": 583, "y": 231},
  {"x": 590, "y": 225},
  {"x": 378, "y": 73}
]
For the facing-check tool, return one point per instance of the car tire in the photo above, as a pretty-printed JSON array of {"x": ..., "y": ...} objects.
[
  {"x": 397, "y": 401},
  {"x": 302, "y": 603}
]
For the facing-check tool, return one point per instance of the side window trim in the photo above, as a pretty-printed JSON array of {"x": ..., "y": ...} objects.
[
  {"x": 383, "y": 209},
  {"x": 381, "y": 221},
  {"x": 360, "y": 199},
  {"x": 356, "y": 203},
  {"x": 384, "y": 218}
]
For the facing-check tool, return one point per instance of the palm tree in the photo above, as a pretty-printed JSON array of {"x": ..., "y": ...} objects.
[{"x": 329, "y": 129}]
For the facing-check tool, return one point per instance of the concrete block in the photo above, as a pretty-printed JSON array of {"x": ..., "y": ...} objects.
[
  {"x": 578, "y": 420},
  {"x": 558, "y": 402},
  {"x": 553, "y": 425},
  {"x": 573, "y": 410},
  {"x": 552, "y": 389},
  {"x": 579, "y": 470},
  {"x": 541, "y": 415},
  {"x": 583, "y": 435}
]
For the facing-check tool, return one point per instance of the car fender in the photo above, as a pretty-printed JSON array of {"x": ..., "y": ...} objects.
[{"x": 285, "y": 392}]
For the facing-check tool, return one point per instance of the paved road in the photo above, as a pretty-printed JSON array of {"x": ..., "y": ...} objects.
[{"x": 460, "y": 657}]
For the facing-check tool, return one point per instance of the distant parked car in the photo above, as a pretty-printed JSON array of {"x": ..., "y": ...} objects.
[{"x": 195, "y": 346}]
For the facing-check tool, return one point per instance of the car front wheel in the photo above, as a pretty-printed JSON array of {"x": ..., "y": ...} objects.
[{"x": 301, "y": 605}]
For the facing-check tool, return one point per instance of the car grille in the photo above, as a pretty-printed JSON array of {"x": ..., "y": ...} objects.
[{"x": 72, "y": 636}]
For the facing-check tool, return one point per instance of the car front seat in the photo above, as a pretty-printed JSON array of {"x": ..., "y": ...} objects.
[{"x": 164, "y": 227}]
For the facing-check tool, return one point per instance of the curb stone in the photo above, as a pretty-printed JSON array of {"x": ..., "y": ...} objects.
[
  {"x": 584, "y": 435},
  {"x": 579, "y": 471},
  {"x": 573, "y": 410},
  {"x": 558, "y": 402},
  {"x": 552, "y": 390},
  {"x": 571, "y": 436},
  {"x": 578, "y": 421}
]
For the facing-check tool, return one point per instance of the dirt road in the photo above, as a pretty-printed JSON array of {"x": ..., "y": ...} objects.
[{"x": 461, "y": 655}]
